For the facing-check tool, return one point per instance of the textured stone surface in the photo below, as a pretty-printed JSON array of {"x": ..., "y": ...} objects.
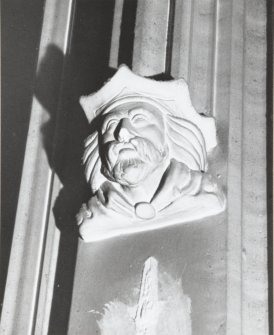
[{"x": 195, "y": 254}]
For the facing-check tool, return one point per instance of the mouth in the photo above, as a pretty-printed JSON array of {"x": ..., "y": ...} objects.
[{"x": 128, "y": 171}]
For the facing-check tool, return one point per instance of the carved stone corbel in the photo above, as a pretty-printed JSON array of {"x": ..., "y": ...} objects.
[{"x": 146, "y": 162}]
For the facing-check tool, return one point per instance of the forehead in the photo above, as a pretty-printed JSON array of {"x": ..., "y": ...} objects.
[{"x": 130, "y": 109}]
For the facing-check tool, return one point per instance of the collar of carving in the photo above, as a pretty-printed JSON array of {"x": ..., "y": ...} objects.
[{"x": 146, "y": 162}]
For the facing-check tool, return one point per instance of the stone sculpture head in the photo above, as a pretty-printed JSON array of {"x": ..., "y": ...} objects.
[
  {"x": 138, "y": 131},
  {"x": 145, "y": 158},
  {"x": 132, "y": 143}
]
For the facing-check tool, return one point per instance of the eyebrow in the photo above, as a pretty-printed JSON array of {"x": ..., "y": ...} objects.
[
  {"x": 138, "y": 111},
  {"x": 109, "y": 117}
]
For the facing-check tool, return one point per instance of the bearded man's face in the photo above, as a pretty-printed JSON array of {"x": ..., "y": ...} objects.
[{"x": 132, "y": 143}]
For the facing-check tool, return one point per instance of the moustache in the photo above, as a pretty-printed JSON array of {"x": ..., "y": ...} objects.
[{"x": 137, "y": 149}]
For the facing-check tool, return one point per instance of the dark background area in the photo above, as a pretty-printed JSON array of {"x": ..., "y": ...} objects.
[{"x": 21, "y": 30}]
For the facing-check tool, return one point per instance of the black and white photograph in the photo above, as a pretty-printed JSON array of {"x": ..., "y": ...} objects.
[{"x": 137, "y": 167}]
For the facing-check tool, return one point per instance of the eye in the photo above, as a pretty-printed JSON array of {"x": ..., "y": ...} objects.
[
  {"x": 139, "y": 118},
  {"x": 110, "y": 123}
]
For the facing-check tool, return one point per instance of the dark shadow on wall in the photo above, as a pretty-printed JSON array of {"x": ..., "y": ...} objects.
[
  {"x": 86, "y": 69},
  {"x": 126, "y": 41}
]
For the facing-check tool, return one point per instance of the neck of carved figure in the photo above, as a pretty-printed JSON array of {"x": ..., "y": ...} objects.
[{"x": 146, "y": 190}]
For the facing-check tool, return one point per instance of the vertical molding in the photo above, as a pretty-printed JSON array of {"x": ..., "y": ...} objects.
[
  {"x": 247, "y": 302},
  {"x": 170, "y": 32},
  {"x": 151, "y": 30},
  {"x": 220, "y": 48},
  {"x": 44, "y": 298},
  {"x": 193, "y": 49},
  {"x": 234, "y": 176},
  {"x": 116, "y": 32},
  {"x": 215, "y": 58},
  {"x": 202, "y": 52},
  {"x": 34, "y": 205},
  {"x": 254, "y": 211},
  {"x": 182, "y": 39}
]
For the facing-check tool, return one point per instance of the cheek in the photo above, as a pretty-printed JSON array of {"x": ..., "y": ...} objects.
[{"x": 154, "y": 134}]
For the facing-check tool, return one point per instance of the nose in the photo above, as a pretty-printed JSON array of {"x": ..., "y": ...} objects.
[{"x": 124, "y": 131}]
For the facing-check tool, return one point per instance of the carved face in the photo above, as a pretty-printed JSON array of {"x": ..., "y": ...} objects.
[{"x": 132, "y": 143}]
